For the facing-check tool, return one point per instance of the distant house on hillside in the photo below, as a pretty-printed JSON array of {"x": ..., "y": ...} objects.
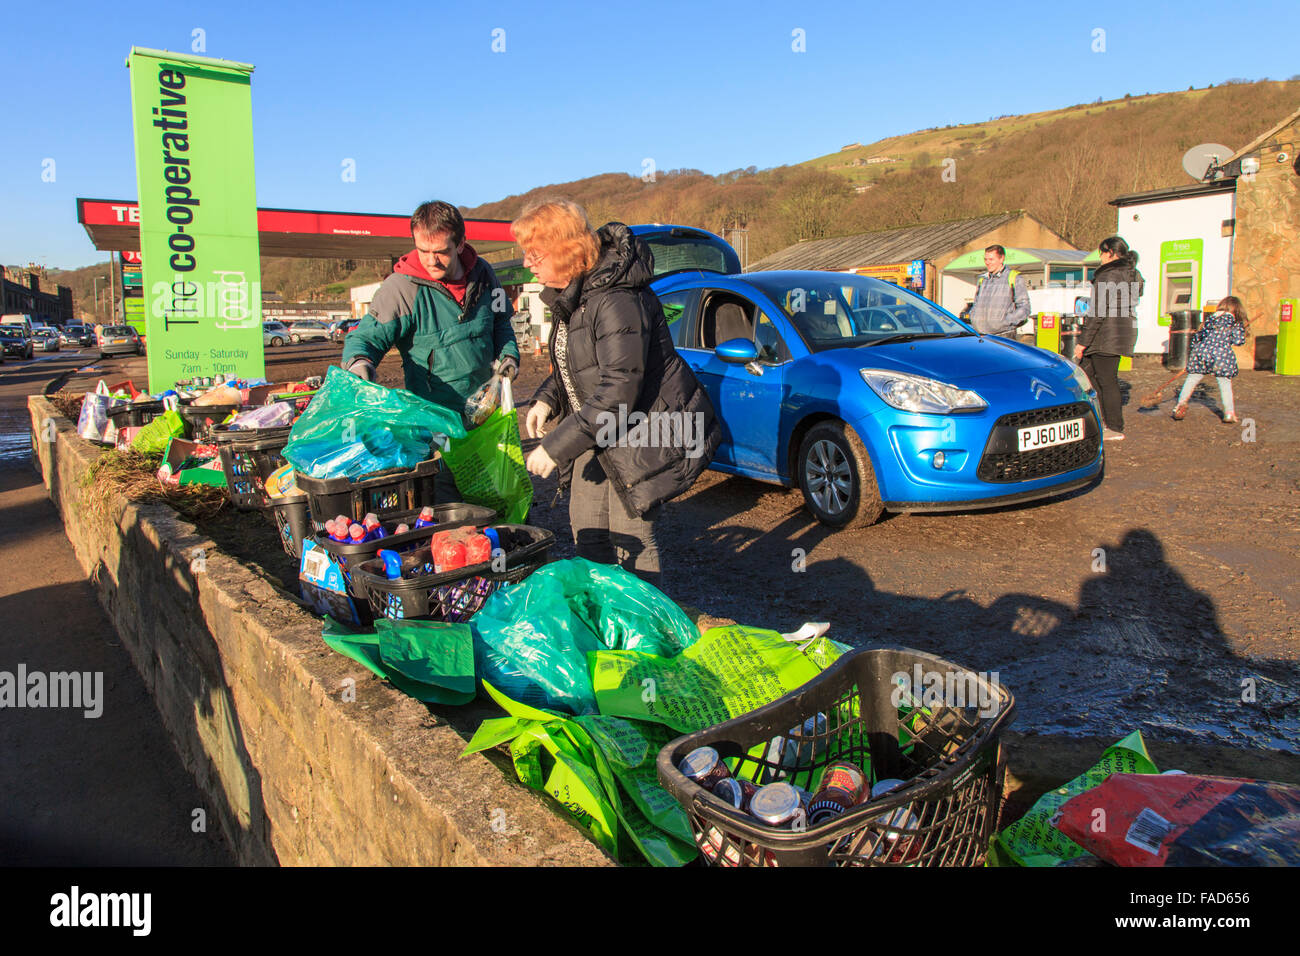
[{"x": 892, "y": 253}]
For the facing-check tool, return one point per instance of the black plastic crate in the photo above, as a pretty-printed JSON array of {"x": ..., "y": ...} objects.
[
  {"x": 203, "y": 419},
  {"x": 946, "y": 750},
  {"x": 292, "y": 520},
  {"x": 137, "y": 414},
  {"x": 454, "y": 596},
  {"x": 382, "y": 494},
  {"x": 452, "y": 514},
  {"x": 249, "y": 457}
]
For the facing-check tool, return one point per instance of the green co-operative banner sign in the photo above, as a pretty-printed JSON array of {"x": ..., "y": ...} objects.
[{"x": 198, "y": 216}]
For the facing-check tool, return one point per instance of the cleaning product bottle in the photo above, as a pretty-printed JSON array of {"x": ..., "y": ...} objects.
[
  {"x": 356, "y": 534},
  {"x": 425, "y": 520},
  {"x": 392, "y": 564},
  {"x": 402, "y": 528},
  {"x": 374, "y": 530}
]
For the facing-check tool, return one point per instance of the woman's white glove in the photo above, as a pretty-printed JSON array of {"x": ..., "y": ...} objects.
[{"x": 537, "y": 416}]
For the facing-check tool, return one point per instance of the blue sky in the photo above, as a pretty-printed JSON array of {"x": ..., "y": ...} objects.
[{"x": 415, "y": 95}]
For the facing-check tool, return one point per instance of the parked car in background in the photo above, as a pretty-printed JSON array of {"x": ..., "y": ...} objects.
[
  {"x": 308, "y": 330},
  {"x": 339, "y": 330},
  {"x": 869, "y": 398},
  {"x": 15, "y": 341},
  {"x": 119, "y": 340},
  {"x": 23, "y": 322},
  {"x": 77, "y": 335},
  {"x": 45, "y": 337},
  {"x": 274, "y": 334}
]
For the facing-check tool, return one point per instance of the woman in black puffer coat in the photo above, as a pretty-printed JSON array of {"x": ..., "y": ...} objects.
[
  {"x": 635, "y": 428},
  {"x": 1110, "y": 331}
]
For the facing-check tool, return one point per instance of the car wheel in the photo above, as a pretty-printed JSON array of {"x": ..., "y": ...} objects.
[
  {"x": 836, "y": 477},
  {"x": 295, "y": 339},
  {"x": 276, "y": 341}
]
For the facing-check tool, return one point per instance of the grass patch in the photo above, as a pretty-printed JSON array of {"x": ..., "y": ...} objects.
[
  {"x": 135, "y": 477},
  {"x": 68, "y": 404}
]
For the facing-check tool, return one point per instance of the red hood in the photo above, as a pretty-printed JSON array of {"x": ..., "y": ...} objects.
[{"x": 409, "y": 264}]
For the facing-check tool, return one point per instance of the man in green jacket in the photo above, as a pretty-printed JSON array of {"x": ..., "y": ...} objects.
[{"x": 445, "y": 313}]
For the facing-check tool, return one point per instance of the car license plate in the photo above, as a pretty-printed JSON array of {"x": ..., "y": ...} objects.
[
  {"x": 1045, "y": 436},
  {"x": 119, "y": 341}
]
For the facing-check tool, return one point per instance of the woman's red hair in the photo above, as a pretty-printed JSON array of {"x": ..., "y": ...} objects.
[{"x": 558, "y": 229}]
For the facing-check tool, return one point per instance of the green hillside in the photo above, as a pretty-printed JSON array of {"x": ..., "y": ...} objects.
[{"x": 1062, "y": 166}]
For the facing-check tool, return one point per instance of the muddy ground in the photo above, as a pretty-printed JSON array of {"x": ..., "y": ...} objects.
[{"x": 1155, "y": 600}]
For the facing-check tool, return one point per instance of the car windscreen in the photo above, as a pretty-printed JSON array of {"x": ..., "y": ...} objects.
[
  {"x": 685, "y": 250},
  {"x": 836, "y": 310},
  {"x": 118, "y": 330}
]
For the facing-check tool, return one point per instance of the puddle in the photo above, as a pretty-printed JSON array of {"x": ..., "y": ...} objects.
[
  {"x": 1111, "y": 679},
  {"x": 15, "y": 439}
]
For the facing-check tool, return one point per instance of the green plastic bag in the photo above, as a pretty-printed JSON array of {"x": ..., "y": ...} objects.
[
  {"x": 729, "y": 671},
  {"x": 154, "y": 438},
  {"x": 531, "y": 640},
  {"x": 431, "y": 661},
  {"x": 354, "y": 427},
  {"x": 602, "y": 771},
  {"x": 1033, "y": 841},
  {"x": 488, "y": 463}
]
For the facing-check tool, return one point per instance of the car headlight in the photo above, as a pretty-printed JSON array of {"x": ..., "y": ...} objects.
[
  {"x": 1080, "y": 377},
  {"x": 915, "y": 393}
]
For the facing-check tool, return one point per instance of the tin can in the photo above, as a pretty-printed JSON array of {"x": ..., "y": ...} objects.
[
  {"x": 704, "y": 766},
  {"x": 847, "y": 777},
  {"x": 778, "y": 805},
  {"x": 796, "y": 749},
  {"x": 827, "y": 805},
  {"x": 738, "y": 793}
]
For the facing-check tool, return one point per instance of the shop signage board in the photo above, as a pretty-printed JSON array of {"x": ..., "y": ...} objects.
[
  {"x": 895, "y": 272},
  {"x": 193, "y": 122}
]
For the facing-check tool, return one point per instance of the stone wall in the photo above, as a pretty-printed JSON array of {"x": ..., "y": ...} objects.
[
  {"x": 255, "y": 702},
  {"x": 1266, "y": 245}
]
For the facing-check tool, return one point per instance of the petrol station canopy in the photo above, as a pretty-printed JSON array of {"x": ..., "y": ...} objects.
[
  {"x": 973, "y": 261},
  {"x": 114, "y": 225}
]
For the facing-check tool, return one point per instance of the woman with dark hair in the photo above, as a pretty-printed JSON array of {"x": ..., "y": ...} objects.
[
  {"x": 1110, "y": 330},
  {"x": 618, "y": 388},
  {"x": 1212, "y": 355}
]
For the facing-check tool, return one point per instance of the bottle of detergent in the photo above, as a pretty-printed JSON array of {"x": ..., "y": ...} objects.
[{"x": 374, "y": 530}]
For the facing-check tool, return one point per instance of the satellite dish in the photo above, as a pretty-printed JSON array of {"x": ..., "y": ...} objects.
[{"x": 1198, "y": 160}]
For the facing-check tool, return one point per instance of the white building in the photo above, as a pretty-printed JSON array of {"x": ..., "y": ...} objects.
[
  {"x": 362, "y": 296},
  {"x": 1183, "y": 238}
]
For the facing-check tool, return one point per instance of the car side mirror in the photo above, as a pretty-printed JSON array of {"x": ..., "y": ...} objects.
[{"x": 737, "y": 351}]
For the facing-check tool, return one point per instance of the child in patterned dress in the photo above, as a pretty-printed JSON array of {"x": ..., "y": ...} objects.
[{"x": 1212, "y": 355}]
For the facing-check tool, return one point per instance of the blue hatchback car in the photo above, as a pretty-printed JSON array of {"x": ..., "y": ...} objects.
[{"x": 867, "y": 397}]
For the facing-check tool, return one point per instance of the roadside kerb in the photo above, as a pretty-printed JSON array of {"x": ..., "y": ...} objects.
[{"x": 254, "y": 702}]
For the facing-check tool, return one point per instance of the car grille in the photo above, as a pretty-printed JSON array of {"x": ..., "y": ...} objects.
[{"x": 1003, "y": 462}]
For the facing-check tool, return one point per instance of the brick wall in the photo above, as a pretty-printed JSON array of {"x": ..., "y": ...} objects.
[{"x": 1266, "y": 245}]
